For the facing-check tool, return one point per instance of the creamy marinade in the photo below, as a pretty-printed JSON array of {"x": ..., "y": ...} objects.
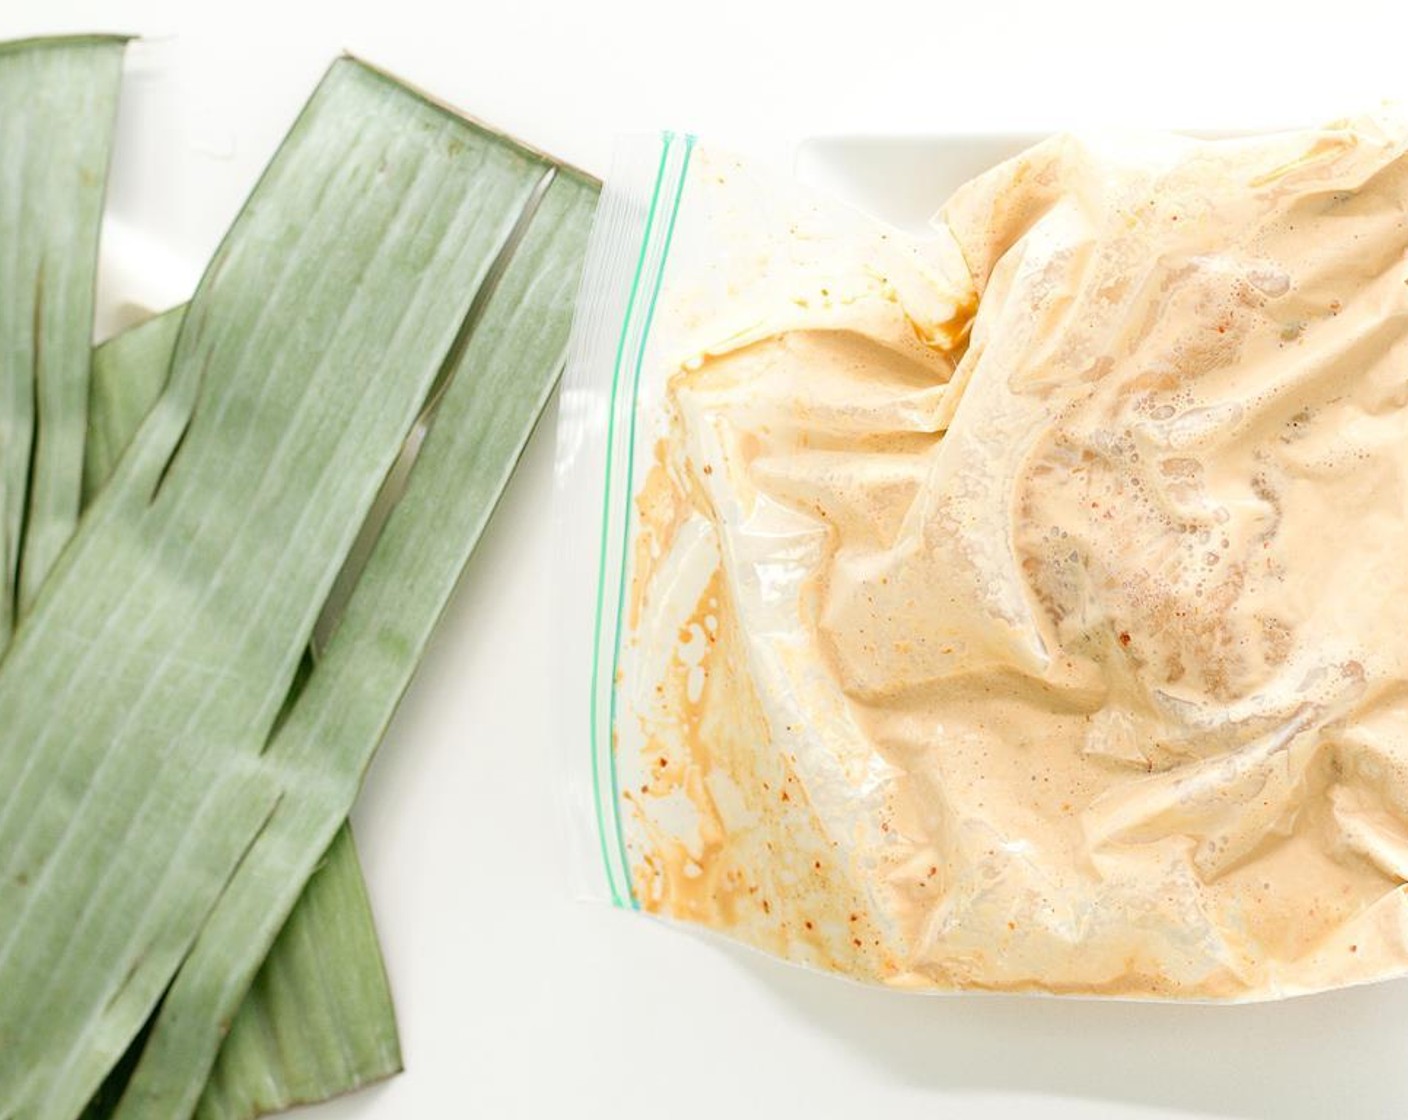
[{"x": 1024, "y": 607}]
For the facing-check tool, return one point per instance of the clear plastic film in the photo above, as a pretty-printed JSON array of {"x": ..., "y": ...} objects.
[{"x": 1010, "y": 606}]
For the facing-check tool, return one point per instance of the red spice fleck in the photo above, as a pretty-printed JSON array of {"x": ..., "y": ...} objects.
[
  {"x": 808, "y": 924},
  {"x": 1125, "y": 639},
  {"x": 856, "y": 941}
]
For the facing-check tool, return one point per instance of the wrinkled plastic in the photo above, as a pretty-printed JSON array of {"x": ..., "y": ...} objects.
[{"x": 1012, "y": 607}]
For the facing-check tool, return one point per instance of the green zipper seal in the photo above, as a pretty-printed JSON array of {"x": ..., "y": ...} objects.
[
  {"x": 604, "y": 755},
  {"x": 630, "y": 491}
]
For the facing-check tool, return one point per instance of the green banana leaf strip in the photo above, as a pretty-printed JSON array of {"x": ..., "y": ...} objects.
[
  {"x": 105, "y": 1100},
  {"x": 58, "y": 101},
  {"x": 138, "y": 700},
  {"x": 129, "y": 373},
  {"x": 503, "y": 379},
  {"x": 318, "y": 1021}
]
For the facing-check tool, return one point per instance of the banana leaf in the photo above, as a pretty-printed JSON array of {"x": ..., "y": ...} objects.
[
  {"x": 325, "y": 981},
  {"x": 129, "y": 373},
  {"x": 318, "y": 1020},
  {"x": 502, "y": 374},
  {"x": 139, "y": 765},
  {"x": 58, "y": 100}
]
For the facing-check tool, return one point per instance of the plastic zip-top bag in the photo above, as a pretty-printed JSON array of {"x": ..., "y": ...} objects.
[{"x": 978, "y": 609}]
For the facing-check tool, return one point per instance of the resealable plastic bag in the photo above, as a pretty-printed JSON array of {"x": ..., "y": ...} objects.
[{"x": 962, "y": 610}]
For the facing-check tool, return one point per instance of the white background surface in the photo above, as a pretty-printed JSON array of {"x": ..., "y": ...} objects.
[{"x": 516, "y": 1001}]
